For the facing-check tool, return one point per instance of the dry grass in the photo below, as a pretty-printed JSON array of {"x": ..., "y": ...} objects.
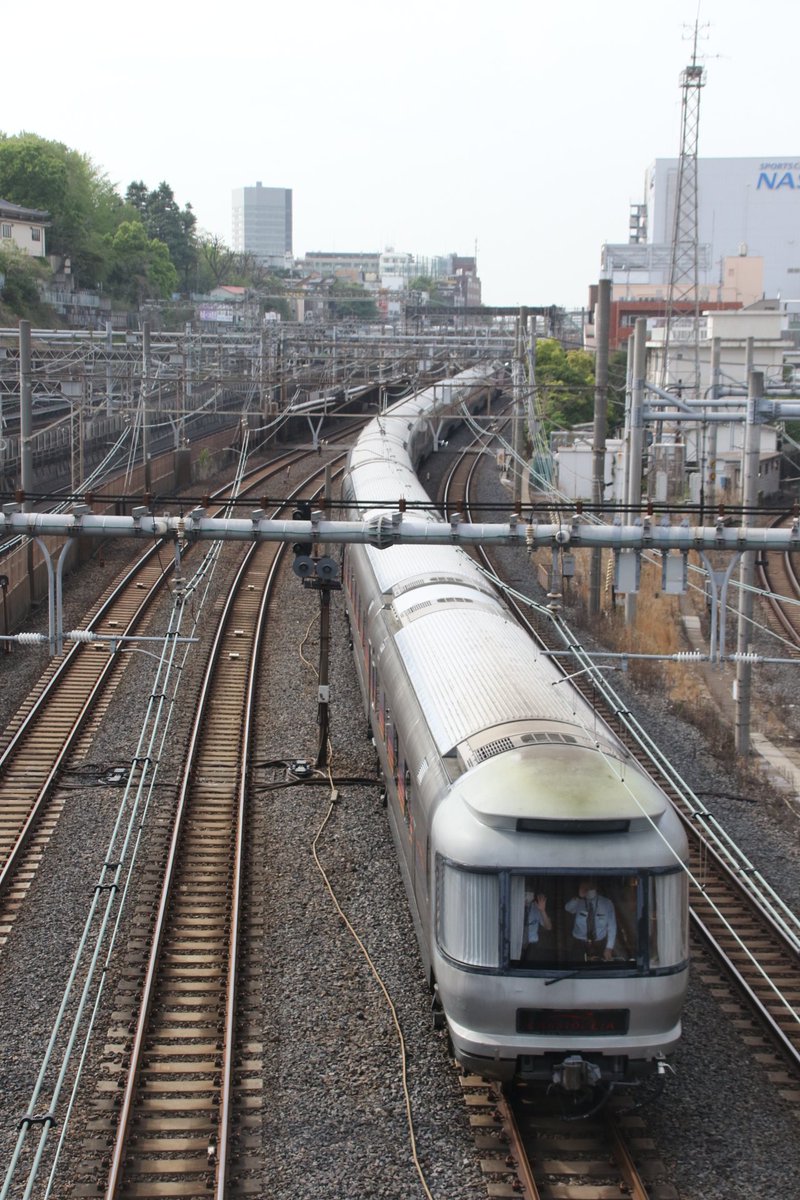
[
  {"x": 685, "y": 687},
  {"x": 657, "y": 629}
]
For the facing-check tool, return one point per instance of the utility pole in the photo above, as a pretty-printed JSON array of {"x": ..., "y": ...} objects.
[
  {"x": 750, "y": 459},
  {"x": 146, "y": 369},
  {"x": 109, "y": 369},
  {"x": 636, "y": 440},
  {"x": 684, "y": 256},
  {"x": 599, "y": 435},
  {"x": 716, "y": 354},
  {"x": 25, "y": 413},
  {"x": 518, "y": 378}
]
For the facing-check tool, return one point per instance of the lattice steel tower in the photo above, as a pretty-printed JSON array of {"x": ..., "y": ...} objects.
[{"x": 684, "y": 256}]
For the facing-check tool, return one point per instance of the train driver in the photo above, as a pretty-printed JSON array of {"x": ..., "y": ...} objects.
[
  {"x": 536, "y": 919},
  {"x": 594, "y": 930}
]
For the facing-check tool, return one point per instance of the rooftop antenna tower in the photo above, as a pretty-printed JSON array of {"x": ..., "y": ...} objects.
[{"x": 684, "y": 254}]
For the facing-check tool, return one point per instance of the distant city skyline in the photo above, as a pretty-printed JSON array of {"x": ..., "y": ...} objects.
[{"x": 430, "y": 128}]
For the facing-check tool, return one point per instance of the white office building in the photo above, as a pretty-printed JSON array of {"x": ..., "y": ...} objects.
[
  {"x": 747, "y": 207},
  {"x": 262, "y": 223}
]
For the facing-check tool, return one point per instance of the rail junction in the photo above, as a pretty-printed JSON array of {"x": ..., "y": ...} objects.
[{"x": 178, "y": 1080}]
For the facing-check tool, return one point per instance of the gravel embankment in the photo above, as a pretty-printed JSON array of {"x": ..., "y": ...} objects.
[{"x": 334, "y": 1122}]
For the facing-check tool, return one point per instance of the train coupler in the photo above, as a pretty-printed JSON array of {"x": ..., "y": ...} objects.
[{"x": 575, "y": 1074}]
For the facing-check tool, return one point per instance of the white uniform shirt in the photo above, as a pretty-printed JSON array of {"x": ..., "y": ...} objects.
[
  {"x": 605, "y": 918},
  {"x": 534, "y": 922}
]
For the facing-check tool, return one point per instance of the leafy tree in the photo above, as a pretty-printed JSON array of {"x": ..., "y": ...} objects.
[
  {"x": 164, "y": 220},
  {"x": 564, "y": 384},
  {"x": 19, "y": 293},
  {"x": 140, "y": 267},
  {"x": 351, "y": 300},
  {"x": 82, "y": 204}
]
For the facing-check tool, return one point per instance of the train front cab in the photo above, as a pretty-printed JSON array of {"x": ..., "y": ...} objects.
[{"x": 522, "y": 998}]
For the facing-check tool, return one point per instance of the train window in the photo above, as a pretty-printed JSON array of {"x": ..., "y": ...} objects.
[
  {"x": 403, "y": 781},
  {"x": 468, "y": 915},
  {"x": 669, "y": 919},
  {"x": 559, "y": 921},
  {"x": 373, "y": 682}
]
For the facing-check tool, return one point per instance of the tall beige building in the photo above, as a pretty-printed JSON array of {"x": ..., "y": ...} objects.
[{"x": 262, "y": 223}]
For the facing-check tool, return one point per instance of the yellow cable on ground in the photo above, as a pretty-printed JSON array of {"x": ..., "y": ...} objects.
[{"x": 378, "y": 980}]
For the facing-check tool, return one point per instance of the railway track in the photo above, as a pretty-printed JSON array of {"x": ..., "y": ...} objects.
[
  {"x": 180, "y": 1092},
  {"x": 192, "y": 1057},
  {"x": 529, "y": 1149},
  {"x": 78, "y": 687},
  {"x": 199, "y": 1018},
  {"x": 776, "y": 574}
]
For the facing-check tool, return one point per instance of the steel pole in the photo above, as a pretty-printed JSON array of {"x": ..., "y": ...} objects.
[
  {"x": 324, "y": 687},
  {"x": 519, "y": 376},
  {"x": 750, "y": 459},
  {"x": 146, "y": 369},
  {"x": 599, "y": 435},
  {"x": 716, "y": 354},
  {"x": 634, "y": 497},
  {"x": 25, "y": 413}
]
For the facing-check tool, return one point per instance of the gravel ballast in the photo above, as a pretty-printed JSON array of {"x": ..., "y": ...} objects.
[{"x": 334, "y": 1114}]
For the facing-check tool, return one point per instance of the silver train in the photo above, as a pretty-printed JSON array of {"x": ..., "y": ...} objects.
[{"x": 542, "y": 865}]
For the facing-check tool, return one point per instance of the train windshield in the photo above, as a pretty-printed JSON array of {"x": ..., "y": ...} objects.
[
  {"x": 564, "y": 922},
  {"x": 559, "y": 922}
]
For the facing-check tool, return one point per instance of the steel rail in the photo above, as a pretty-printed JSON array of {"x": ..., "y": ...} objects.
[
  {"x": 229, "y": 1037},
  {"x": 634, "y": 1186},
  {"x": 788, "y": 1047},
  {"x": 170, "y": 873},
  {"x": 115, "y": 1184},
  {"x": 523, "y": 1167},
  {"x": 72, "y": 660},
  {"x": 764, "y": 571}
]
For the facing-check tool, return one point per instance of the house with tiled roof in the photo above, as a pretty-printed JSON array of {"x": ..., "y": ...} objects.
[{"x": 23, "y": 228}]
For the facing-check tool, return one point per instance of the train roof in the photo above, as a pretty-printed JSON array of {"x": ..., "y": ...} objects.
[
  {"x": 495, "y": 677},
  {"x": 399, "y": 568},
  {"x": 552, "y": 783}
]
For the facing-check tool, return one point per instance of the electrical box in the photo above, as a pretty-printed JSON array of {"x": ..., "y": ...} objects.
[
  {"x": 674, "y": 573},
  {"x": 627, "y": 569}
]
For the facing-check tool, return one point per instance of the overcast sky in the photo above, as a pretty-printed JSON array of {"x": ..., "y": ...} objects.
[{"x": 426, "y": 125}]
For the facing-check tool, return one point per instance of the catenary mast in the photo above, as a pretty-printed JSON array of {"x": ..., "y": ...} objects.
[{"x": 684, "y": 255}]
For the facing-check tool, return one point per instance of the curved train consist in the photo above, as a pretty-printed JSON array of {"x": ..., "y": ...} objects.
[{"x": 542, "y": 865}]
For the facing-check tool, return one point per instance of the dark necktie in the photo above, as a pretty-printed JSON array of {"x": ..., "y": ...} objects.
[{"x": 591, "y": 930}]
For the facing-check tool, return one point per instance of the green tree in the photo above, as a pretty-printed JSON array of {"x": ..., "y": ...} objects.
[
  {"x": 164, "y": 220},
  {"x": 351, "y": 300},
  {"x": 19, "y": 292},
  {"x": 216, "y": 263},
  {"x": 140, "y": 267},
  {"x": 564, "y": 384},
  {"x": 82, "y": 204}
]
